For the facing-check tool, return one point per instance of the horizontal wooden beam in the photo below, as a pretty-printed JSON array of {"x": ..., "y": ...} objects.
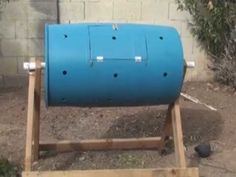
[
  {"x": 103, "y": 144},
  {"x": 165, "y": 172}
]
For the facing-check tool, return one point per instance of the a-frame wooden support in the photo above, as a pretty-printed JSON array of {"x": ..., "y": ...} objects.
[
  {"x": 33, "y": 117},
  {"x": 172, "y": 127}
]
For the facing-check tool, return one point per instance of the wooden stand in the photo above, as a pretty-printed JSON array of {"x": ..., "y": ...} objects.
[{"x": 172, "y": 127}]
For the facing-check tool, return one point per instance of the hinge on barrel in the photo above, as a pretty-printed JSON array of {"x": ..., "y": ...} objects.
[{"x": 115, "y": 27}]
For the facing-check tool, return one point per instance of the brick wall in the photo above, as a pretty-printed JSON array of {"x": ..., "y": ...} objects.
[{"x": 22, "y": 23}]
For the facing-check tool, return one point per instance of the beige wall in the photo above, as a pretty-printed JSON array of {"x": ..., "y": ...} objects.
[{"x": 22, "y": 22}]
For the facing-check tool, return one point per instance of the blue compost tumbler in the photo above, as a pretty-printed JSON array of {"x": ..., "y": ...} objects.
[{"x": 112, "y": 65}]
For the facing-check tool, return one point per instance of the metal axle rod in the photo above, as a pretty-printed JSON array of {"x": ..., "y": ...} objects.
[{"x": 30, "y": 66}]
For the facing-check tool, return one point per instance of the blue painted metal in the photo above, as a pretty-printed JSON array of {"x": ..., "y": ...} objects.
[{"x": 94, "y": 65}]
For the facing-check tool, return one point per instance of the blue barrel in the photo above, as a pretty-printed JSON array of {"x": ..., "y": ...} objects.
[{"x": 112, "y": 65}]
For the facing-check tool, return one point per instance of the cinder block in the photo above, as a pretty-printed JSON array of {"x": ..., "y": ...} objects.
[
  {"x": 198, "y": 49},
  {"x": 175, "y": 24},
  {"x": 15, "y": 81},
  {"x": 190, "y": 72},
  {"x": 201, "y": 72},
  {"x": 36, "y": 28},
  {"x": 14, "y": 10},
  {"x": 81, "y": 21},
  {"x": 68, "y": 0},
  {"x": 83, "y": 0},
  {"x": 156, "y": 10},
  {"x": 185, "y": 30},
  {"x": 7, "y": 29},
  {"x": 138, "y": 21},
  {"x": 45, "y": 0},
  {"x": 20, "y": 61},
  {"x": 21, "y": 29},
  {"x": 36, "y": 47},
  {"x": 99, "y": 10},
  {"x": 1, "y": 81},
  {"x": 175, "y": 14},
  {"x": 8, "y": 66},
  {"x": 42, "y": 10},
  {"x": 13, "y": 47},
  {"x": 127, "y": 10},
  {"x": 65, "y": 21},
  {"x": 72, "y": 11},
  {"x": 187, "y": 45}
]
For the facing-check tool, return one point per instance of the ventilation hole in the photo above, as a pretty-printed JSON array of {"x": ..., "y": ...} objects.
[
  {"x": 164, "y": 74},
  {"x": 115, "y": 75},
  {"x": 161, "y": 38},
  {"x": 63, "y": 99},
  {"x": 65, "y": 36},
  {"x": 64, "y": 72},
  {"x": 113, "y": 37}
]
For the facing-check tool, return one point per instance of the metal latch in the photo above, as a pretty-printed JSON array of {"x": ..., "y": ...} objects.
[
  {"x": 100, "y": 58},
  {"x": 138, "y": 59}
]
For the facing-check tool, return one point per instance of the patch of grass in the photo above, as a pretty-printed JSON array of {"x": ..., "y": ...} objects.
[{"x": 7, "y": 169}]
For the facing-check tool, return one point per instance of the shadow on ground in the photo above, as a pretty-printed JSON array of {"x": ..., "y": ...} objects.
[{"x": 198, "y": 125}]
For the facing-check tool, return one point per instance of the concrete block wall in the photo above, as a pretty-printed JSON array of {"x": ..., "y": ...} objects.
[
  {"x": 21, "y": 36},
  {"x": 22, "y": 23}
]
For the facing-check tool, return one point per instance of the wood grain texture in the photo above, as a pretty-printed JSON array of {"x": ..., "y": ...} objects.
[
  {"x": 103, "y": 144},
  {"x": 30, "y": 123},
  {"x": 167, "y": 128},
  {"x": 37, "y": 100},
  {"x": 178, "y": 135},
  {"x": 168, "y": 172}
]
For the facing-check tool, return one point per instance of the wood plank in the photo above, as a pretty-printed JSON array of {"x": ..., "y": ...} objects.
[
  {"x": 169, "y": 172},
  {"x": 103, "y": 144},
  {"x": 178, "y": 136},
  {"x": 30, "y": 123},
  {"x": 167, "y": 128},
  {"x": 37, "y": 99}
]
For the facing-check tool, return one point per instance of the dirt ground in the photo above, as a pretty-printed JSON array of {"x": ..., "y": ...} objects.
[{"x": 200, "y": 125}]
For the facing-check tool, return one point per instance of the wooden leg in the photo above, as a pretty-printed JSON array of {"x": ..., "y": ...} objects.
[
  {"x": 30, "y": 123},
  {"x": 37, "y": 99},
  {"x": 178, "y": 135},
  {"x": 167, "y": 130},
  {"x": 168, "y": 172}
]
